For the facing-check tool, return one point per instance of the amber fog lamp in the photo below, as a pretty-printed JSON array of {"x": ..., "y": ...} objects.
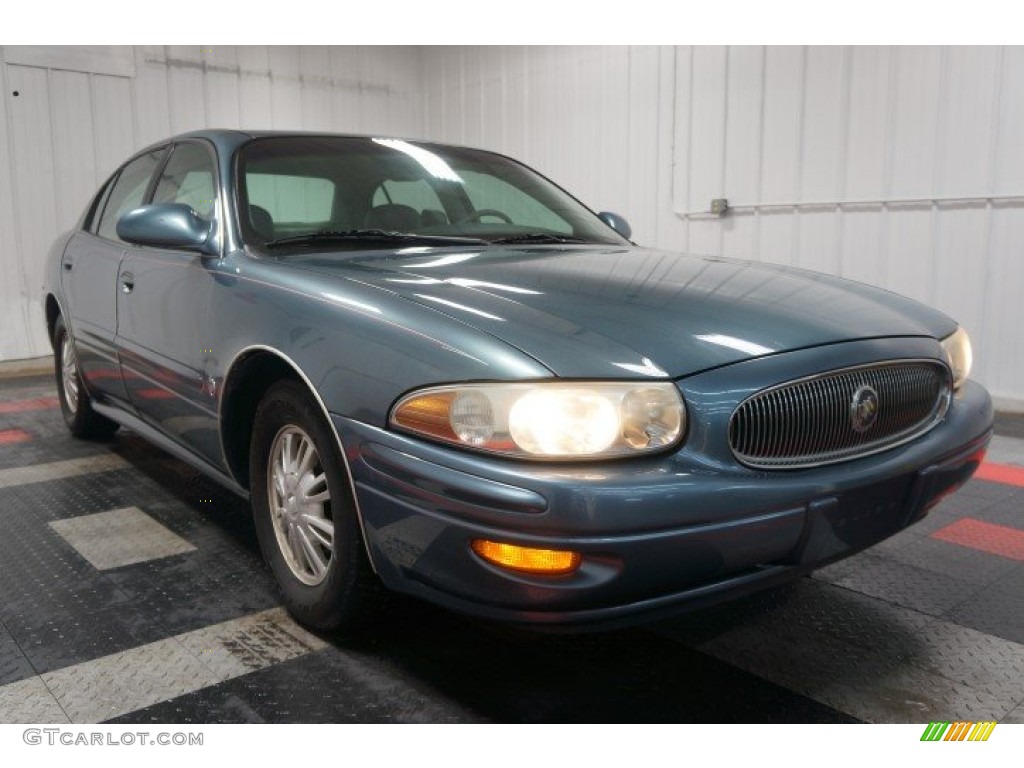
[{"x": 527, "y": 559}]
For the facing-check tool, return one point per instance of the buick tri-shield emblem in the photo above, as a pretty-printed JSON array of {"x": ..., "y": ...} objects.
[{"x": 863, "y": 408}]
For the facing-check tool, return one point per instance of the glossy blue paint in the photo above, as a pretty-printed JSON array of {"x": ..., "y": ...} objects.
[
  {"x": 171, "y": 225},
  {"x": 365, "y": 327},
  {"x": 616, "y": 222}
]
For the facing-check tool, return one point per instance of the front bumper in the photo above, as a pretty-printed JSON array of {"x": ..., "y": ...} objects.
[{"x": 657, "y": 535}]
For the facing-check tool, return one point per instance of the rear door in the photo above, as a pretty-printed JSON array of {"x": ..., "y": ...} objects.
[
  {"x": 163, "y": 333},
  {"x": 89, "y": 277}
]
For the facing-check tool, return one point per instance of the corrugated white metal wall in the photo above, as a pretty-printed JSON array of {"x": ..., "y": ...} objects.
[
  {"x": 902, "y": 167},
  {"x": 80, "y": 111}
]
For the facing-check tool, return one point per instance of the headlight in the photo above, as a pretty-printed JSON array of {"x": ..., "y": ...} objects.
[
  {"x": 549, "y": 419},
  {"x": 957, "y": 348}
]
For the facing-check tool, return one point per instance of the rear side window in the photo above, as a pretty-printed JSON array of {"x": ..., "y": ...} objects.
[
  {"x": 128, "y": 192},
  {"x": 188, "y": 179}
]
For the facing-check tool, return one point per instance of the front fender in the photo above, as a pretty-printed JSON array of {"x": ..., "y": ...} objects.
[{"x": 359, "y": 346}]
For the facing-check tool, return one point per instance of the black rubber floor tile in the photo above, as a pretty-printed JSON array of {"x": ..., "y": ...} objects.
[
  {"x": 45, "y": 425},
  {"x": 429, "y": 666},
  {"x": 977, "y": 496},
  {"x": 841, "y": 568},
  {"x": 1012, "y": 581},
  {"x": 14, "y": 665},
  {"x": 885, "y": 637},
  {"x": 1008, "y": 512},
  {"x": 960, "y": 562},
  {"x": 1010, "y": 424},
  {"x": 46, "y": 450},
  {"x": 197, "y": 589},
  {"x": 627, "y": 676},
  {"x": 329, "y": 686},
  {"x": 996, "y": 610},
  {"x": 223, "y": 579},
  {"x": 72, "y": 496},
  {"x": 223, "y": 524},
  {"x": 976, "y": 499},
  {"x": 902, "y": 584},
  {"x": 902, "y": 539},
  {"x": 11, "y": 386},
  {"x": 55, "y": 641},
  {"x": 58, "y": 608}
]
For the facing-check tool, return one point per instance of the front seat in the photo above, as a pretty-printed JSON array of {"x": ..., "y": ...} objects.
[
  {"x": 392, "y": 217},
  {"x": 262, "y": 222},
  {"x": 433, "y": 217}
]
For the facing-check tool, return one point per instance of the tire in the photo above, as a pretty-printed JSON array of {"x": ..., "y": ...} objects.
[
  {"x": 75, "y": 403},
  {"x": 326, "y": 580}
]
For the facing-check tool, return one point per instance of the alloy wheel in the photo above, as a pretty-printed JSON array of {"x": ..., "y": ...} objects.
[
  {"x": 300, "y": 505},
  {"x": 69, "y": 374}
]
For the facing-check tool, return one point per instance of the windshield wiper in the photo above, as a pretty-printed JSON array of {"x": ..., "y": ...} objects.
[
  {"x": 537, "y": 237},
  {"x": 378, "y": 235}
]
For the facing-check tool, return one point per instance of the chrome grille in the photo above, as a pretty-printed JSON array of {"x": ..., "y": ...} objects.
[{"x": 811, "y": 421}]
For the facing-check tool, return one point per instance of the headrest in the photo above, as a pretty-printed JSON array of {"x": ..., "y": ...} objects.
[
  {"x": 392, "y": 217},
  {"x": 262, "y": 222}
]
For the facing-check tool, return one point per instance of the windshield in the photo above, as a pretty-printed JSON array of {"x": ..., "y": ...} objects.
[{"x": 361, "y": 192}]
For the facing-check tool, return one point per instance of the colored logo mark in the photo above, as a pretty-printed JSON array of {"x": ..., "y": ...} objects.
[{"x": 958, "y": 731}]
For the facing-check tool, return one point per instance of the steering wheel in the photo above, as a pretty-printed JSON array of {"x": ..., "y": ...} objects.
[{"x": 477, "y": 215}]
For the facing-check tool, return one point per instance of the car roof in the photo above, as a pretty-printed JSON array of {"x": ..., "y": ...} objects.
[{"x": 228, "y": 139}]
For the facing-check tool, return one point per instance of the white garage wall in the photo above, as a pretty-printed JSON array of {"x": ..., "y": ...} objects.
[
  {"x": 81, "y": 111},
  {"x": 902, "y": 167}
]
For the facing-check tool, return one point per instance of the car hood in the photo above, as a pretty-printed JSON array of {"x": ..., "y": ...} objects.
[{"x": 623, "y": 312}]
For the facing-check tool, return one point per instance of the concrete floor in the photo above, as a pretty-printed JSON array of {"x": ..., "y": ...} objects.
[{"x": 132, "y": 590}]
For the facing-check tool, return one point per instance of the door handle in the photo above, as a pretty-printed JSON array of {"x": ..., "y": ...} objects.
[
  {"x": 127, "y": 282},
  {"x": 68, "y": 265}
]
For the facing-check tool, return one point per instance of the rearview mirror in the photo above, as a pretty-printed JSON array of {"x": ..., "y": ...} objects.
[
  {"x": 167, "y": 225},
  {"x": 617, "y": 223}
]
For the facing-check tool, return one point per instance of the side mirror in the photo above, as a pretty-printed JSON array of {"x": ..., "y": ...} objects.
[
  {"x": 617, "y": 223},
  {"x": 168, "y": 225}
]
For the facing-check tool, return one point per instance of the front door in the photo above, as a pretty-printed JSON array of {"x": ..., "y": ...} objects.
[{"x": 163, "y": 308}]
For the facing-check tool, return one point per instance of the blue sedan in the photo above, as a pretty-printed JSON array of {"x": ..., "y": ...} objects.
[{"x": 434, "y": 371}]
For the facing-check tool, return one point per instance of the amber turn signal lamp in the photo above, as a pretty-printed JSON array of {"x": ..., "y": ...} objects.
[
  {"x": 427, "y": 414},
  {"x": 528, "y": 559}
]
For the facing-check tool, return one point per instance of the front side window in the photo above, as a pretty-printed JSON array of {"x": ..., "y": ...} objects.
[
  {"x": 91, "y": 222},
  {"x": 188, "y": 178},
  {"x": 128, "y": 192},
  {"x": 305, "y": 189}
]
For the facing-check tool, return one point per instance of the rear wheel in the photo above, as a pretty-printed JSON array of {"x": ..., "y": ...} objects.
[
  {"x": 75, "y": 403},
  {"x": 304, "y": 513}
]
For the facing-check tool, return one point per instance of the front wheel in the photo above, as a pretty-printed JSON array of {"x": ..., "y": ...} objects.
[
  {"x": 75, "y": 403},
  {"x": 305, "y": 515}
]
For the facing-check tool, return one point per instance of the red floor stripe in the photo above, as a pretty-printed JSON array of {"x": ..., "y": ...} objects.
[
  {"x": 1001, "y": 473},
  {"x": 36, "y": 404},
  {"x": 8, "y": 436},
  {"x": 986, "y": 537}
]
